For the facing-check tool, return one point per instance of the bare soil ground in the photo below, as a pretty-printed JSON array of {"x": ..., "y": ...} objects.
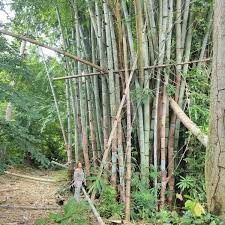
[{"x": 15, "y": 191}]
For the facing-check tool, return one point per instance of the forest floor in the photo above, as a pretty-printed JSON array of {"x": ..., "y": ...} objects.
[
  {"x": 22, "y": 195},
  {"x": 23, "y": 201}
]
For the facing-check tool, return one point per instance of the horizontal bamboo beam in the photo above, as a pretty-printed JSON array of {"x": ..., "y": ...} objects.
[
  {"x": 60, "y": 51},
  {"x": 188, "y": 123},
  {"x": 123, "y": 70}
]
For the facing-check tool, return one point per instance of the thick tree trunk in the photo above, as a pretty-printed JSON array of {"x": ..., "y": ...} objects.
[{"x": 215, "y": 157}]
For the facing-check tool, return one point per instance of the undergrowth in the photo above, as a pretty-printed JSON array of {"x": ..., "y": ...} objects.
[{"x": 74, "y": 213}]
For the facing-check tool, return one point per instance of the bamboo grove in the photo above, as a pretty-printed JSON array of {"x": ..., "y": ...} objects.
[{"x": 134, "y": 59}]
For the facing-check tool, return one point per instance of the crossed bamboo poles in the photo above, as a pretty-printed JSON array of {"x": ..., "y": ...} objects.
[{"x": 186, "y": 121}]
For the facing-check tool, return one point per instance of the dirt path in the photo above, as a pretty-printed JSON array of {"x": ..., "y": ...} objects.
[{"x": 15, "y": 191}]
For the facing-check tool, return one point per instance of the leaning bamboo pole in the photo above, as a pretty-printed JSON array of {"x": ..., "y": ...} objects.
[
  {"x": 55, "y": 99},
  {"x": 95, "y": 212},
  {"x": 60, "y": 51},
  {"x": 188, "y": 123}
]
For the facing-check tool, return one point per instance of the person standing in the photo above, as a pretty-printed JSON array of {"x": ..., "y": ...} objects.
[{"x": 78, "y": 180}]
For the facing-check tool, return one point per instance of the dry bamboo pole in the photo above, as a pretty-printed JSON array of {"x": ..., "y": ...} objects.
[
  {"x": 9, "y": 189},
  {"x": 95, "y": 212},
  {"x": 29, "y": 177},
  {"x": 190, "y": 125},
  {"x": 15, "y": 207},
  {"x": 60, "y": 51},
  {"x": 128, "y": 149},
  {"x": 59, "y": 164}
]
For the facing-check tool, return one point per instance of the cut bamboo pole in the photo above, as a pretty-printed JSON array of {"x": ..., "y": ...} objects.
[
  {"x": 95, "y": 212},
  {"x": 9, "y": 189},
  {"x": 60, "y": 51},
  {"x": 28, "y": 207},
  {"x": 59, "y": 164}
]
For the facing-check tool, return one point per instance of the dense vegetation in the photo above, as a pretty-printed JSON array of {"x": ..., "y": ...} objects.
[{"x": 155, "y": 172}]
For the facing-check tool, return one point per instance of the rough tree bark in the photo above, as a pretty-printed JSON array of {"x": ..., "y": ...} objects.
[{"x": 215, "y": 157}]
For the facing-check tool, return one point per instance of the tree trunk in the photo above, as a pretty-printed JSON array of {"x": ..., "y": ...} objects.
[{"x": 215, "y": 157}]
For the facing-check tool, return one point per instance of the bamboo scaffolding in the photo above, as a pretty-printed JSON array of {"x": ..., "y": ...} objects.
[{"x": 123, "y": 70}]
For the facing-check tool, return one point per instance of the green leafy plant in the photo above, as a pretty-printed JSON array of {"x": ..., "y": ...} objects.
[
  {"x": 143, "y": 204},
  {"x": 74, "y": 213},
  {"x": 195, "y": 208},
  {"x": 186, "y": 183},
  {"x": 108, "y": 205},
  {"x": 143, "y": 198}
]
